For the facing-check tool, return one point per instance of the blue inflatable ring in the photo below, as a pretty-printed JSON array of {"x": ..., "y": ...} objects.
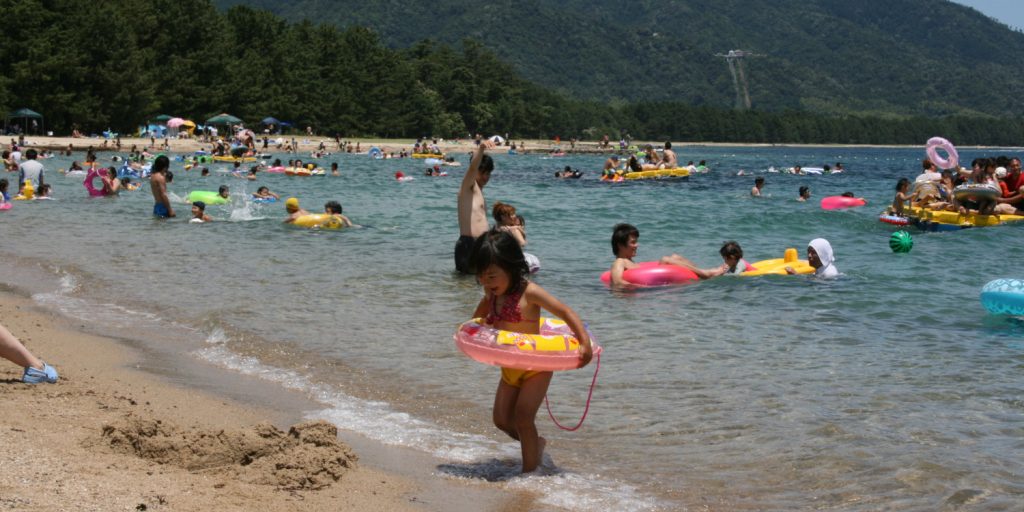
[{"x": 1004, "y": 297}]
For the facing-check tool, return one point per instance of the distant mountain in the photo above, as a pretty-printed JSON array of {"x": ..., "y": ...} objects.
[{"x": 889, "y": 58}]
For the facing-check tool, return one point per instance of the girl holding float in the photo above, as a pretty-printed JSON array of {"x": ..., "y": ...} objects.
[{"x": 508, "y": 330}]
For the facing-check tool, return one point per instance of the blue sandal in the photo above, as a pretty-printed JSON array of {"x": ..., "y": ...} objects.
[{"x": 35, "y": 376}]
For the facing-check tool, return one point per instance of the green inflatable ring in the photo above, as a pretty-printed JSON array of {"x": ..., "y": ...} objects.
[{"x": 207, "y": 196}]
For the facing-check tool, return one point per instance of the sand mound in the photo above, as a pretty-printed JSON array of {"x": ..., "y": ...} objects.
[{"x": 308, "y": 456}]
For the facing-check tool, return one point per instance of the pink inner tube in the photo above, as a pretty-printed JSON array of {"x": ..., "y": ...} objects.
[
  {"x": 6, "y": 206},
  {"x": 89, "y": 177},
  {"x": 840, "y": 202},
  {"x": 652, "y": 273},
  {"x": 481, "y": 343},
  {"x": 278, "y": 169},
  {"x": 931, "y": 150}
]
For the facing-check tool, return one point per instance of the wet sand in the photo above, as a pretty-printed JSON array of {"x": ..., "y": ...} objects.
[{"x": 125, "y": 431}]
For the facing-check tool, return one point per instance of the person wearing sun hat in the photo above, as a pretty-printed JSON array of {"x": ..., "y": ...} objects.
[{"x": 291, "y": 205}]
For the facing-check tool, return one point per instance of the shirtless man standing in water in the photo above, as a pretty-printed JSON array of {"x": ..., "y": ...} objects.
[
  {"x": 158, "y": 181},
  {"x": 472, "y": 207}
]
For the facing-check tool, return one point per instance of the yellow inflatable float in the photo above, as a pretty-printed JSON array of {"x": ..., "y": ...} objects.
[
  {"x": 678, "y": 172},
  {"x": 943, "y": 220},
  {"x": 778, "y": 265},
  {"x": 241, "y": 159},
  {"x": 28, "y": 192},
  {"x": 319, "y": 221}
]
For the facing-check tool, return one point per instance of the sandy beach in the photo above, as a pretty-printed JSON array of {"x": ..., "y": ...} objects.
[
  {"x": 112, "y": 434},
  {"x": 308, "y": 144}
]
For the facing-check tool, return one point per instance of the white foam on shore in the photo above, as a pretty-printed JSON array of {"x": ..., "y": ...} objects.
[
  {"x": 468, "y": 456},
  {"x": 110, "y": 315}
]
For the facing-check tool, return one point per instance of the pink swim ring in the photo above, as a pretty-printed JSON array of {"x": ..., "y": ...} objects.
[
  {"x": 90, "y": 186},
  {"x": 653, "y": 273},
  {"x": 555, "y": 348},
  {"x": 840, "y": 202},
  {"x": 936, "y": 143}
]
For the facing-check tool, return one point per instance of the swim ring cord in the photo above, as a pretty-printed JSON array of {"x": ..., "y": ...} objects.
[{"x": 586, "y": 409}]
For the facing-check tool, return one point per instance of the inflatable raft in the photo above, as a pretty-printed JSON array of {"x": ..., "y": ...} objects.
[
  {"x": 942, "y": 220},
  {"x": 232, "y": 159},
  {"x": 778, "y": 265}
]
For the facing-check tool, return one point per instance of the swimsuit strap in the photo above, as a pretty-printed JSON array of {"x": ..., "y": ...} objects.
[{"x": 510, "y": 311}]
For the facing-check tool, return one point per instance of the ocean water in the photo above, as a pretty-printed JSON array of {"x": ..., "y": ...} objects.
[{"x": 889, "y": 388}]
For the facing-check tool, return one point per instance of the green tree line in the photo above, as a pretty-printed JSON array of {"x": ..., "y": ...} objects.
[{"x": 99, "y": 65}]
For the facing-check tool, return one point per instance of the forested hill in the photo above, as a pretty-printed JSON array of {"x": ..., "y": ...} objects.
[{"x": 880, "y": 57}]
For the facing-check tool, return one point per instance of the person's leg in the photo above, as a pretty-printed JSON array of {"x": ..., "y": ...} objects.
[
  {"x": 12, "y": 350},
  {"x": 530, "y": 396},
  {"x": 504, "y": 408},
  {"x": 678, "y": 260}
]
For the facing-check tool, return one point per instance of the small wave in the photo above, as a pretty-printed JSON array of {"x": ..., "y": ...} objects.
[{"x": 378, "y": 421}]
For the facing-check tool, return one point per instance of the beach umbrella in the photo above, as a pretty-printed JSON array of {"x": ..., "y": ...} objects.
[
  {"x": 270, "y": 120},
  {"x": 188, "y": 124},
  {"x": 497, "y": 139},
  {"x": 162, "y": 118},
  {"x": 24, "y": 114},
  {"x": 175, "y": 122},
  {"x": 223, "y": 119}
]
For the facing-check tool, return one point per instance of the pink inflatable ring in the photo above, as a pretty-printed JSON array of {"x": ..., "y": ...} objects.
[
  {"x": 555, "y": 348},
  {"x": 90, "y": 186},
  {"x": 934, "y": 144},
  {"x": 652, "y": 273},
  {"x": 840, "y": 202}
]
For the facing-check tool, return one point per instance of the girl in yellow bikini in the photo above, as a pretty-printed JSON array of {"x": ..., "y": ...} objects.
[{"x": 512, "y": 303}]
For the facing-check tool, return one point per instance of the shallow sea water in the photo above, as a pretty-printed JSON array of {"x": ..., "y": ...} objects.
[{"x": 889, "y": 388}]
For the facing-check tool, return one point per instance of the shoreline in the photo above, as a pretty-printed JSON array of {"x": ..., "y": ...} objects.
[
  {"x": 67, "y": 460},
  {"x": 533, "y": 146}
]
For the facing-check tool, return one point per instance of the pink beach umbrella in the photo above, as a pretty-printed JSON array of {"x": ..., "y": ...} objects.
[{"x": 175, "y": 122}]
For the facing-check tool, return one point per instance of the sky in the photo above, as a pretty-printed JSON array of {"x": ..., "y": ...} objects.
[{"x": 1010, "y": 12}]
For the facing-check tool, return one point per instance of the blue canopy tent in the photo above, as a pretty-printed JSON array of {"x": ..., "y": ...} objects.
[{"x": 270, "y": 123}]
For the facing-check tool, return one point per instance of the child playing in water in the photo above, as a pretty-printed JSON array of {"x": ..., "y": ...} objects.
[
  {"x": 512, "y": 303},
  {"x": 4, "y": 196},
  {"x": 732, "y": 262},
  {"x": 334, "y": 208},
  {"x": 265, "y": 194},
  {"x": 903, "y": 196},
  {"x": 294, "y": 211},
  {"x": 758, "y": 185},
  {"x": 625, "y": 241},
  {"x": 199, "y": 213}
]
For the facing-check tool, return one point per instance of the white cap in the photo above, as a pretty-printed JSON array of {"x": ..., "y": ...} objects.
[{"x": 1000, "y": 172}]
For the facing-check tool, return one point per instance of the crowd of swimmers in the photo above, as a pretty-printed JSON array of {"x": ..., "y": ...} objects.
[{"x": 990, "y": 186}]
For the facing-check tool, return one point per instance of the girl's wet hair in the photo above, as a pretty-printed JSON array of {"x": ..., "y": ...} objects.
[
  {"x": 499, "y": 248},
  {"x": 333, "y": 206},
  {"x": 902, "y": 183},
  {"x": 803, "y": 190}
]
